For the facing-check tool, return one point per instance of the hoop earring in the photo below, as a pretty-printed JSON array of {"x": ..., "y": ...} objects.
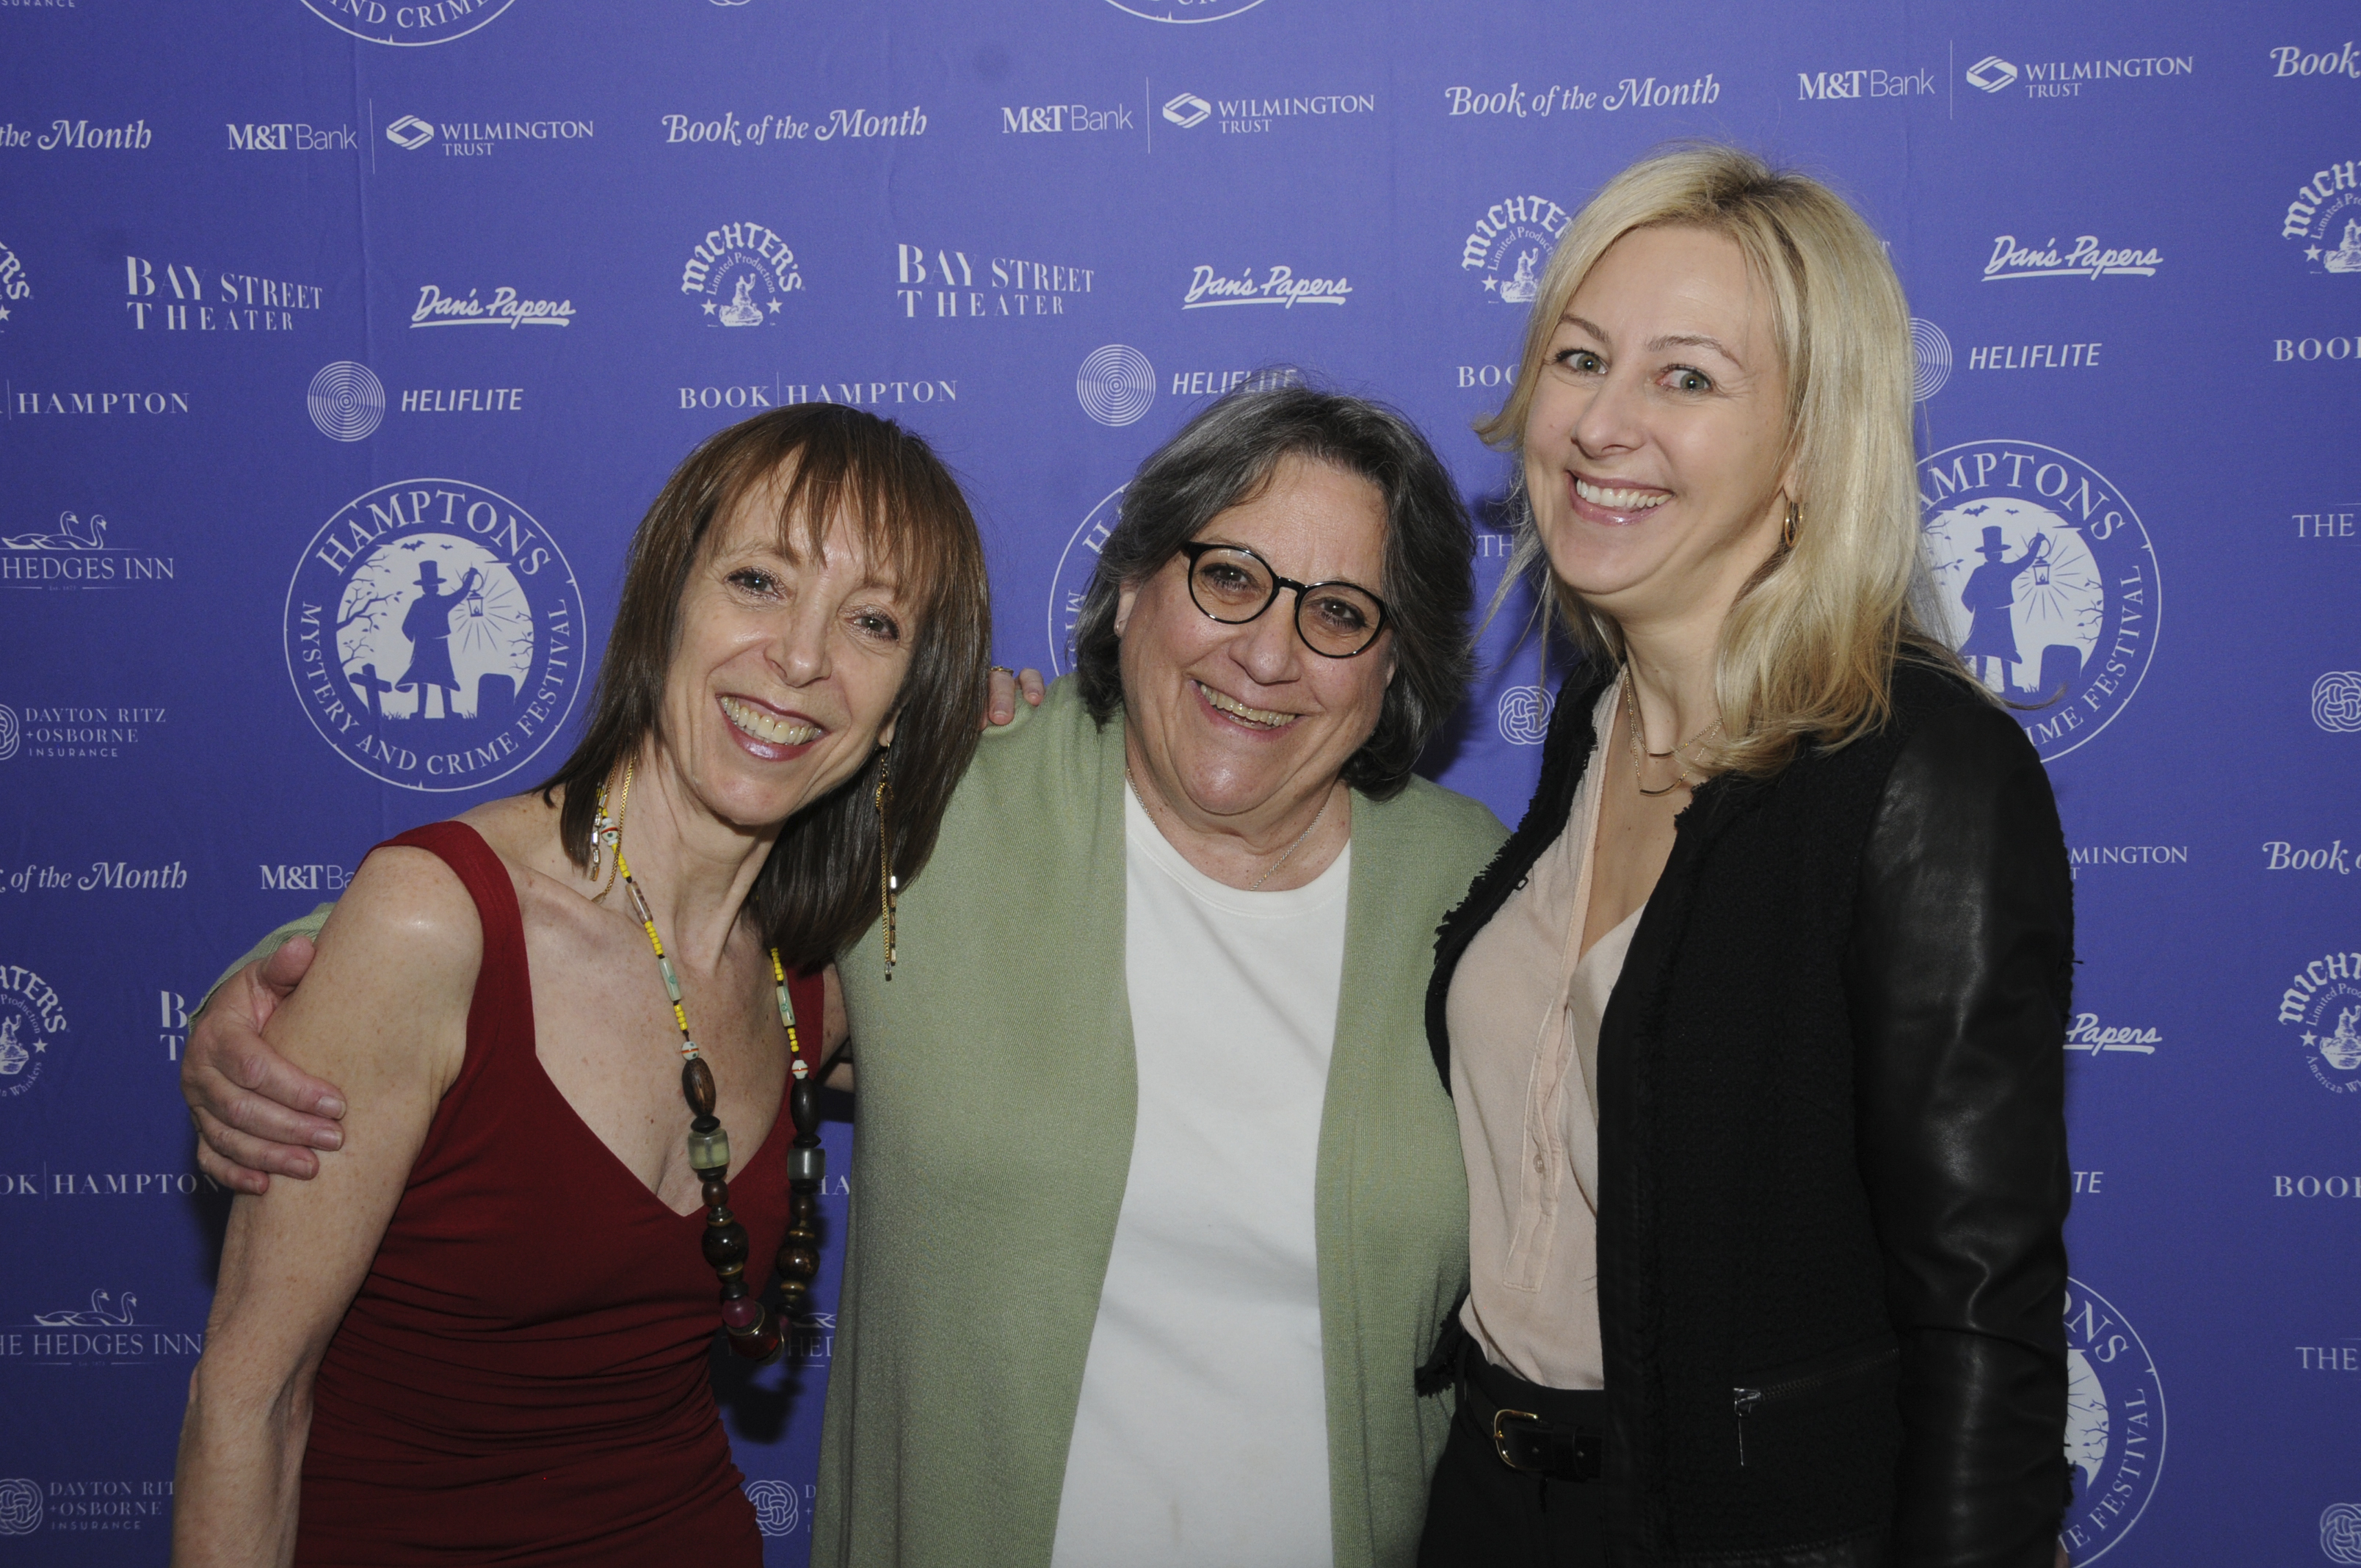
[
  {"x": 889, "y": 888},
  {"x": 1787, "y": 528}
]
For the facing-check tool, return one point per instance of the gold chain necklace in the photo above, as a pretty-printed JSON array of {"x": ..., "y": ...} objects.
[{"x": 1631, "y": 733}]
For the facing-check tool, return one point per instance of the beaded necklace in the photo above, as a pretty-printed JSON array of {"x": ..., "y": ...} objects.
[{"x": 752, "y": 1334}]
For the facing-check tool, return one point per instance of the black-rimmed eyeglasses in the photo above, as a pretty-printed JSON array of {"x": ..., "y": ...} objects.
[{"x": 1233, "y": 584}]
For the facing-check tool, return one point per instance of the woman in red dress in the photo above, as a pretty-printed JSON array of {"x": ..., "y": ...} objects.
[{"x": 481, "y": 1334}]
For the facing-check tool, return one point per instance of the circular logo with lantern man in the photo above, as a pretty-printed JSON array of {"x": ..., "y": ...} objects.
[
  {"x": 2047, "y": 580},
  {"x": 2114, "y": 1425},
  {"x": 434, "y": 634}
]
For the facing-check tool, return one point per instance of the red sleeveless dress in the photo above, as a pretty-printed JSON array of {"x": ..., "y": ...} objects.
[{"x": 522, "y": 1377}]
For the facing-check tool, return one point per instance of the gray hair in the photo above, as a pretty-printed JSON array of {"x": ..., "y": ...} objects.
[{"x": 1223, "y": 458}]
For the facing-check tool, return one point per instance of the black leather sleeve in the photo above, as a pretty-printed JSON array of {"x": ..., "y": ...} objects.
[{"x": 1959, "y": 977}]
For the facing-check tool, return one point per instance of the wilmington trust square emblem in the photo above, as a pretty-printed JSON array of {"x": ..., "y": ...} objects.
[
  {"x": 434, "y": 633},
  {"x": 2114, "y": 1425},
  {"x": 2048, "y": 580}
]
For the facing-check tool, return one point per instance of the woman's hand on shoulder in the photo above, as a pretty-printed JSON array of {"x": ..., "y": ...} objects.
[{"x": 1000, "y": 705}]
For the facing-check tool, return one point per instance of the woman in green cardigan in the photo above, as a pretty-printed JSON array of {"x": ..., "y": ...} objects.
[{"x": 1159, "y": 1200}]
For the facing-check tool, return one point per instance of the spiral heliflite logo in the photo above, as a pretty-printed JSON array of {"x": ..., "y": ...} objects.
[
  {"x": 434, "y": 634},
  {"x": 778, "y": 1508},
  {"x": 2048, "y": 582},
  {"x": 412, "y": 23},
  {"x": 1932, "y": 351},
  {"x": 2340, "y": 1533},
  {"x": 1524, "y": 714},
  {"x": 1077, "y": 565},
  {"x": 2114, "y": 1425},
  {"x": 2322, "y": 1004},
  {"x": 20, "y": 1506},
  {"x": 2337, "y": 702},
  {"x": 1116, "y": 385},
  {"x": 347, "y": 401}
]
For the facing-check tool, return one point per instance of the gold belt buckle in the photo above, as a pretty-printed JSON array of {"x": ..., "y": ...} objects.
[{"x": 1500, "y": 1440}]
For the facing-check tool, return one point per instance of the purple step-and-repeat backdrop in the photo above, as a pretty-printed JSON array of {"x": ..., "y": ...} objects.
[{"x": 310, "y": 308}]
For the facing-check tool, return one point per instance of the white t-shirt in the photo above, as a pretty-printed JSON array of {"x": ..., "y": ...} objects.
[{"x": 1202, "y": 1435}]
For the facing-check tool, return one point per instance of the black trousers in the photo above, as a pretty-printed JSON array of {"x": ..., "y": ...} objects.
[{"x": 1481, "y": 1513}]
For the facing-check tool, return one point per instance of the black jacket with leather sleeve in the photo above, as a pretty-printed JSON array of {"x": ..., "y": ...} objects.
[{"x": 1832, "y": 1155}]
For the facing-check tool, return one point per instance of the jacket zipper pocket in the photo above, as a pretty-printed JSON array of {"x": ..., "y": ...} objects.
[{"x": 1745, "y": 1400}]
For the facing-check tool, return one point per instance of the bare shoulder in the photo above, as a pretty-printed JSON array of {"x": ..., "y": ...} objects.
[{"x": 406, "y": 924}]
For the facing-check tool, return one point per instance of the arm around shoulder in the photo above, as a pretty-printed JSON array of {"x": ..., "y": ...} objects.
[
  {"x": 384, "y": 1012},
  {"x": 1959, "y": 974}
]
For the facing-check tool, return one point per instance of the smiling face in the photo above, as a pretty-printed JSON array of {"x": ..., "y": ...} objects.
[
  {"x": 1655, "y": 447},
  {"x": 787, "y": 668},
  {"x": 1240, "y": 727}
]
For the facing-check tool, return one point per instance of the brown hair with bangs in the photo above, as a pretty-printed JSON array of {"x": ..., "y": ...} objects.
[{"x": 817, "y": 465}]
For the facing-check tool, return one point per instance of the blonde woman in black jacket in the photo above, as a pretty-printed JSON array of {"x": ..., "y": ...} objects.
[{"x": 1753, "y": 1027}]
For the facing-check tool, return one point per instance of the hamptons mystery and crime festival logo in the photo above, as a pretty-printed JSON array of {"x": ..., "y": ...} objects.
[
  {"x": 406, "y": 25},
  {"x": 434, "y": 634},
  {"x": 1077, "y": 565},
  {"x": 2114, "y": 1425},
  {"x": 2048, "y": 581}
]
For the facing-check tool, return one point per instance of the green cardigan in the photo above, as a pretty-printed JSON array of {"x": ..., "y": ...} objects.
[
  {"x": 997, "y": 1094},
  {"x": 993, "y": 1140}
]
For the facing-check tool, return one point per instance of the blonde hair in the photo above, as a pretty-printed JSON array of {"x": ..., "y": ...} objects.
[{"x": 1807, "y": 649}]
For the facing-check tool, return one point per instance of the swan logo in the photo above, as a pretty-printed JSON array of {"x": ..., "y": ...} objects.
[
  {"x": 2114, "y": 1425},
  {"x": 1510, "y": 246},
  {"x": 2322, "y": 1004},
  {"x": 434, "y": 634},
  {"x": 107, "y": 1332},
  {"x": 31, "y": 1017},
  {"x": 1077, "y": 565},
  {"x": 410, "y": 26},
  {"x": 2048, "y": 581},
  {"x": 740, "y": 275},
  {"x": 75, "y": 554},
  {"x": 778, "y": 1507}
]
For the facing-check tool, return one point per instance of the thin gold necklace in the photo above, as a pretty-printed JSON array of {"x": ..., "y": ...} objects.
[
  {"x": 1283, "y": 854},
  {"x": 1638, "y": 746}
]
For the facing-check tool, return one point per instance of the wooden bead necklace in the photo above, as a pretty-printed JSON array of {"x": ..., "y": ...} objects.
[{"x": 753, "y": 1334}]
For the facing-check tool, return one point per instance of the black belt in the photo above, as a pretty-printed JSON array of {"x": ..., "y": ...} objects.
[{"x": 1524, "y": 1441}]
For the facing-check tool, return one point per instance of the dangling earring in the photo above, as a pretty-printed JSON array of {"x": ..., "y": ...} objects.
[
  {"x": 889, "y": 889},
  {"x": 607, "y": 832},
  {"x": 1787, "y": 528}
]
